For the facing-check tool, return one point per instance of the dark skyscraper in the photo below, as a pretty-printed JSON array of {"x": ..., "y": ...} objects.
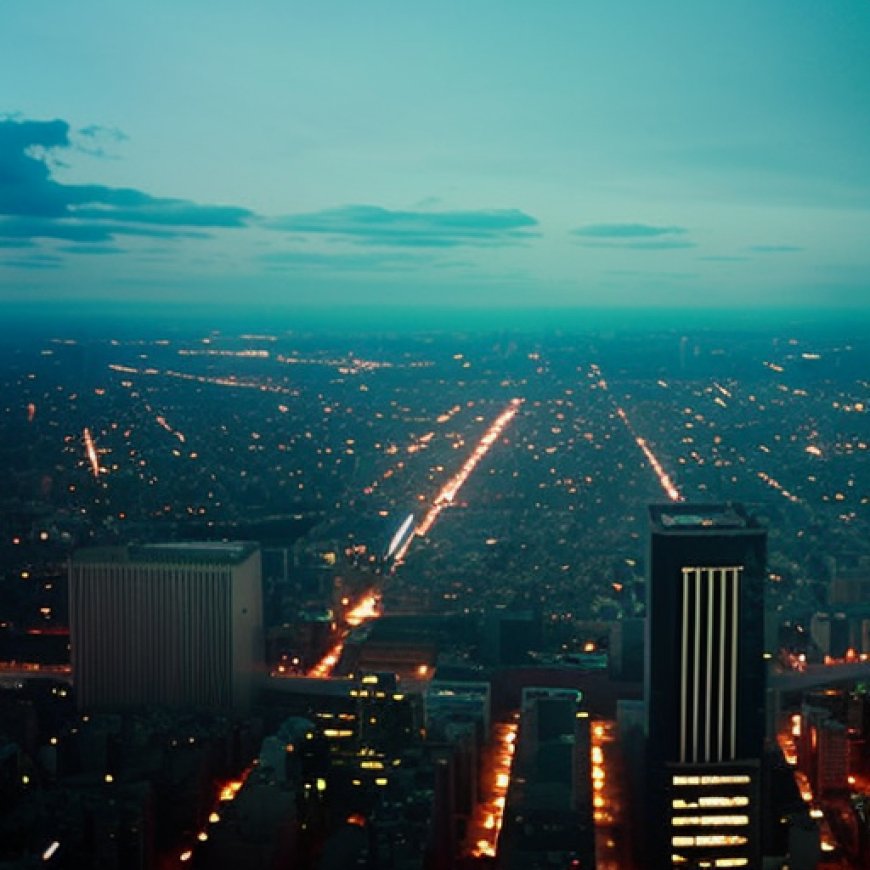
[{"x": 705, "y": 685}]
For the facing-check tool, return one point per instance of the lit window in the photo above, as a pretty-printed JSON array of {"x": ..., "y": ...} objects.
[
  {"x": 680, "y": 821},
  {"x": 710, "y": 802},
  {"x": 710, "y": 840},
  {"x": 720, "y": 840},
  {"x": 730, "y": 779},
  {"x": 736, "y": 801},
  {"x": 740, "y": 779}
]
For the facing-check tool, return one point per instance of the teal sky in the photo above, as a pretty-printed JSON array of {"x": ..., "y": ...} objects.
[{"x": 474, "y": 153}]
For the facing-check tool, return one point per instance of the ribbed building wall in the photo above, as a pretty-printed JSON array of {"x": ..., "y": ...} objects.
[{"x": 165, "y": 633}]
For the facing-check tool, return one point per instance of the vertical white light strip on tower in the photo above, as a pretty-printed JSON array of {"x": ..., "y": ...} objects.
[
  {"x": 710, "y": 578},
  {"x": 723, "y": 612},
  {"x": 684, "y": 665},
  {"x": 735, "y": 599},
  {"x": 696, "y": 665},
  {"x": 723, "y": 623}
]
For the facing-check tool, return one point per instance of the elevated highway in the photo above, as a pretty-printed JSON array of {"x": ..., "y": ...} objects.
[{"x": 820, "y": 676}]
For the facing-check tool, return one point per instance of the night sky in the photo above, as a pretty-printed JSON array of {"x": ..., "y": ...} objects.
[{"x": 558, "y": 154}]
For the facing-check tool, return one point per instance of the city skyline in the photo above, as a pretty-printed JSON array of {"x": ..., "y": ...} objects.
[
  {"x": 519, "y": 465},
  {"x": 574, "y": 156}
]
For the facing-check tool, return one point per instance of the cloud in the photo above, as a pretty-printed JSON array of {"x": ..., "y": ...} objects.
[
  {"x": 418, "y": 229},
  {"x": 775, "y": 249},
  {"x": 33, "y": 204},
  {"x": 658, "y": 245},
  {"x": 23, "y": 229},
  {"x": 722, "y": 258},
  {"x": 627, "y": 231},
  {"x": 27, "y": 260},
  {"x": 345, "y": 262},
  {"x": 637, "y": 237},
  {"x": 95, "y": 140},
  {"x": 92, "y": 249}
]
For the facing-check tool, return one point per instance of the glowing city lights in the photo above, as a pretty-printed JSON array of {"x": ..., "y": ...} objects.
[
  {"x": 666, "y": 483},
  {"x": 367, "y": 608},
  {"x": 229, "y": 791},
  {"x": 664, "y": 480},
  {"x": 325, "y": 666},
  {"x": 487, "y": 819},
  {"x": 448, "y": 492}
]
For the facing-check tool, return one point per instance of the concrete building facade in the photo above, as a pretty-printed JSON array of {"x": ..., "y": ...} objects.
[{"x": 174, "y": 625}]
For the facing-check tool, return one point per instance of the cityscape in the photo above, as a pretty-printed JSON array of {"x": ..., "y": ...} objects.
[
  {"x": 435, "y": 436},
  {"x": 450, "y": 544}
]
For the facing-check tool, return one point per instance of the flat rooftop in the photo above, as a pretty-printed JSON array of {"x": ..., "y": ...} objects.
[
  {"x": 190, "y": 552},
  {"x": 688, "y": 517}
]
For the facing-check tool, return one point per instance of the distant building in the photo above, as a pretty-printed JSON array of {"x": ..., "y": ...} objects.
[
  {"x": 850, "y": 587},
  {"x": 705, "y": 685},
  {"x": 175, "y": 625},
  {"x": 830, "y": 633},
  {"x": 457, "y": 701},
  {"x": 510, "y": 635},
  {"x": 626, "y": 650},
  {"x": 548, "y": 818},
  {"x": 823, "y": 746}
]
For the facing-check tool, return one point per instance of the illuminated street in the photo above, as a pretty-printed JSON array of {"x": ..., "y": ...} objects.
[{"x": 486, "y": 823}]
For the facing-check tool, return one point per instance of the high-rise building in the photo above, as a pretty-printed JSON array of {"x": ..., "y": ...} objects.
[
  {"x": 176, "y": 625},
  {"x": 705, "y": 685}
]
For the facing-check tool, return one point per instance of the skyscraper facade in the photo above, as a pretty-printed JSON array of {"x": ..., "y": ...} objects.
[
  {"x": 175, "y": 625},
  {"x": 705, "y": 685}
]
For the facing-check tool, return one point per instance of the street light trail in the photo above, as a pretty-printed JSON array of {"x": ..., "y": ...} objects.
[
  {"x": 486, "y": 822},
  {"x": 91, "y": 451},
  {"x": 325, "y": 666},
  {"x": 664, "y": 479},
  {"x": 667, "y": 484},
  {"x": 366, "y": 608},
  {"x": 450, "y": 489}
]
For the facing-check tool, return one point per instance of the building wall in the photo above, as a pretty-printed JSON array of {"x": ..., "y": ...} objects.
[
  {"x": 705, "y": 684},
  {"x": 703, "y": 613},
  {"x": 247, "y": 628},
  {"x": 165, "y": 633}
]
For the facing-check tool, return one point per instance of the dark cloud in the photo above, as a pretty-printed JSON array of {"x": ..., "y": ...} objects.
[
  {"x": 775, "y": 249},
  {"x": 627, "y": 231},
  {"x": 418, "y": 229},
  {"x": 25, "y": 228},
  {"x": 33, "y": 204}
]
